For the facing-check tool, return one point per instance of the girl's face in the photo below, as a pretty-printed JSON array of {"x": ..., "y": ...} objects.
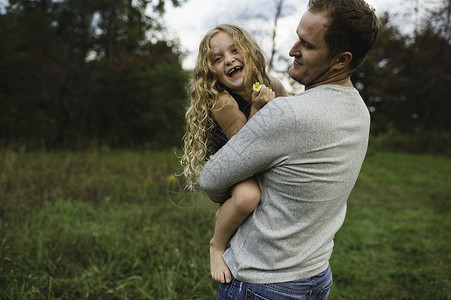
[{"x": 227, "y": 62}]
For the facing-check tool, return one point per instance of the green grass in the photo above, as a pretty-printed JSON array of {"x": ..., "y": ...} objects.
[
  {"x": 396, "y": 240},
  {"x": 101, "y": 224}
]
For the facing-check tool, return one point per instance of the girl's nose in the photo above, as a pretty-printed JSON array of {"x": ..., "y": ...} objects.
[{"x": 229, "y": 59}]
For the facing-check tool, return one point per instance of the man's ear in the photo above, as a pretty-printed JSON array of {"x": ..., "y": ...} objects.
[{"x": 342, "y": 61}]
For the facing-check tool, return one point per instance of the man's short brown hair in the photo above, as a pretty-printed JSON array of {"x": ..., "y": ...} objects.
[{"x": 353, "y": 27}]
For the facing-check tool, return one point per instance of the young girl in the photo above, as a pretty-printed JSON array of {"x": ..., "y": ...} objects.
[{"x": 222, "y": 100}]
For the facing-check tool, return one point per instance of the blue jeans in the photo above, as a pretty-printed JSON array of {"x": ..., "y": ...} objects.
[{"x": 315, "y": 288}]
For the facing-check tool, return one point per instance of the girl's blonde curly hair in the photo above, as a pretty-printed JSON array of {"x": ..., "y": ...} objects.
[{"x": 204, "y": 91}]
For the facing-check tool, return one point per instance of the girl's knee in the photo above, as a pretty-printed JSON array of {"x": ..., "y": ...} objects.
[{"x": 246, "y": 198}]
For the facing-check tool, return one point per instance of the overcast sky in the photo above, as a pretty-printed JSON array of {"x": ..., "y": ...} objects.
[{"x": 192, "y": 20}]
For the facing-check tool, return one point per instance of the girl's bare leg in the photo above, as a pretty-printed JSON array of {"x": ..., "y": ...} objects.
[{"x": 245, "y": 198}]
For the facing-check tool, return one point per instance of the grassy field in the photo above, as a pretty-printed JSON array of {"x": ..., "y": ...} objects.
[{"x": 109, "y": 224}]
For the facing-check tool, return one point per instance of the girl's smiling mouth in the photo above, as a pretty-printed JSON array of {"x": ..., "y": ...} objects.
[{"x": 234, "y": 70}]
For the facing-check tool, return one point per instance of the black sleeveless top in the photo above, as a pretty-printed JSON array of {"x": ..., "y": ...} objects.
[{"x": 218, "y": 138}]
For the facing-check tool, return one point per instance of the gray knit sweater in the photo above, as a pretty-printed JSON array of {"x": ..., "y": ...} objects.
[{"x": 306, "y": 152}]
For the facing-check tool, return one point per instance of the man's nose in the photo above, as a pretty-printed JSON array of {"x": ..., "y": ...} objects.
[{"x": 294, "y": 51}]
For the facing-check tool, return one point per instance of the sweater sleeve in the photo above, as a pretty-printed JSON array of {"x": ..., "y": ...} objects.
[{"x": 261, "y": 144}]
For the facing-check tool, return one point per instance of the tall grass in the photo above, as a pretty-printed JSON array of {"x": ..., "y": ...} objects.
[
  {"x": 99, "y": 225},
  {"x": 107, "y": 224}
]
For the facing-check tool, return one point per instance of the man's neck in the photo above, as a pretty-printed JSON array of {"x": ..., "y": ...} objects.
[{"x": 341, "y": 79}]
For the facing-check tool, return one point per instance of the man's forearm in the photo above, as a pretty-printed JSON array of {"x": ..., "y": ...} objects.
[
  {"x": 223, "y": 171},
  {"x": 252, "y": 150}
]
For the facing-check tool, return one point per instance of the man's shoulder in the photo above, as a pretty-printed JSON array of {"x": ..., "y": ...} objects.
[
  {"x": 280, "y": 104},
  {"x": 325, "y": 93}
]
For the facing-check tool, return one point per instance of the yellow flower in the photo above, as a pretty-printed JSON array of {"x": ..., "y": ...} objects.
[
  {"x": 257, "y": 86},
  {"x": 171, "y": 180}
]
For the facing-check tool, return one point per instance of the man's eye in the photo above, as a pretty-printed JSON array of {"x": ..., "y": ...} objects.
[{"x": 305, "y": 44}]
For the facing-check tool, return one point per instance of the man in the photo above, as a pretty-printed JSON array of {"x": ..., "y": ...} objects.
[{"x": 306, "y": 152}]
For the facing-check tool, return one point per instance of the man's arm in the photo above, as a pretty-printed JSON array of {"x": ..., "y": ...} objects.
[{"x": 258, "y": 146}]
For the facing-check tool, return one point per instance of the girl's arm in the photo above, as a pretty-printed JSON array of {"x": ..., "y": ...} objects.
[
  {"x": 228, "y": 115},
  {"x": 227, "y": 112},
  {"x": 278, "y": 87}
]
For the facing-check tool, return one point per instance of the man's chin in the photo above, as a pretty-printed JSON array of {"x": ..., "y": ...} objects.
[
  {"x": 291, "y": 72},
  {"x": 294, "y": 75}
]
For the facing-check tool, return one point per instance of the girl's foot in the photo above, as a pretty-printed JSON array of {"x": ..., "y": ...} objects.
[{"x": 219, "y": 270}]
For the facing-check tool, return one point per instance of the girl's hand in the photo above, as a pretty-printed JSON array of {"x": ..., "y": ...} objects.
[{"x": 260, "y": 98}]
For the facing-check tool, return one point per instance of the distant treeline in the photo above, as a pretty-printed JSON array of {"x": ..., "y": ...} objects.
[
  {"x": 76, "y": 72},
  {"x": 73, "y": 73},
  {"x": 406, "y": 79}
]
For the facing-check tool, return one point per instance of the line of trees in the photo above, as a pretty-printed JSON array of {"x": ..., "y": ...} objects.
[
  {"x": 406, "y": 79},
  {"x": 74, "y": 72}
]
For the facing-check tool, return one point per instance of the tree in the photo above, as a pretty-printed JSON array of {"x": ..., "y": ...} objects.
[
  {"x": 405, "y": 80},
  {"x": 383, "y": 78},
  {"x": 262, "y": 22},
  {"x": 72, "y": 69}
]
